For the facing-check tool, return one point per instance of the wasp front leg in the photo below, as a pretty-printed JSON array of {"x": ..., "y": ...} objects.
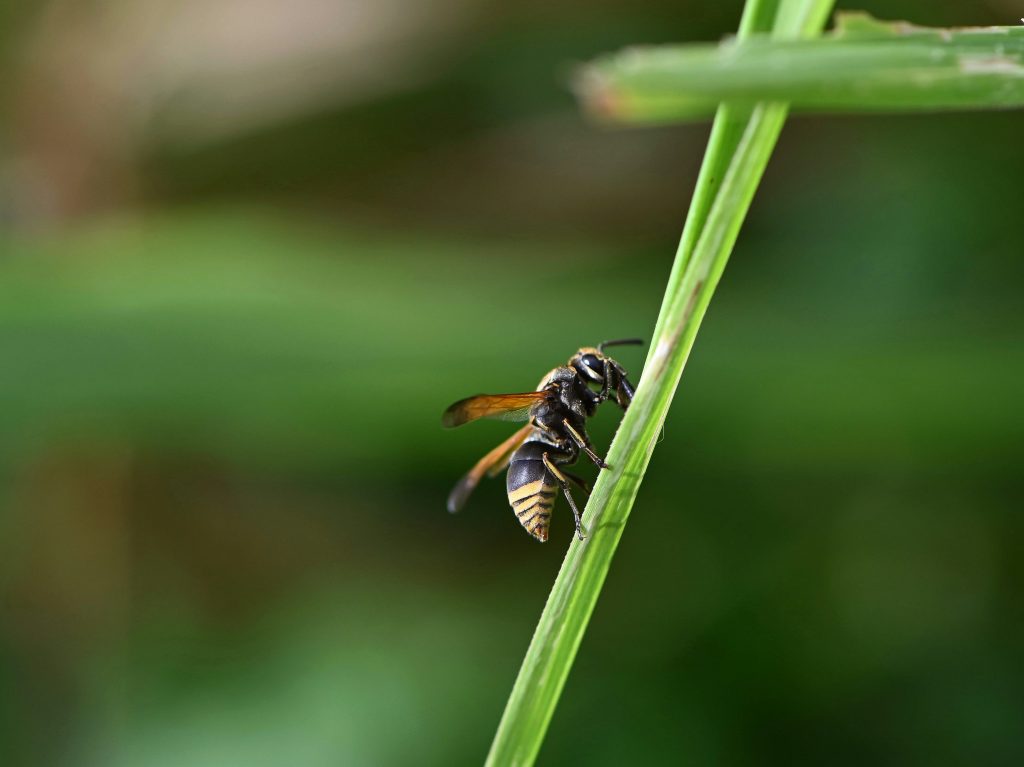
[
  {"x": 615, "y": 378},
  {"x": 606, "y": 384},
  {"x": 625, "y": 391}
]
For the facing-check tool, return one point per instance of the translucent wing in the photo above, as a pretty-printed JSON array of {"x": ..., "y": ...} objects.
[
  {"x": 508, "y": 407},
  {"x": 490, "y": 464}
]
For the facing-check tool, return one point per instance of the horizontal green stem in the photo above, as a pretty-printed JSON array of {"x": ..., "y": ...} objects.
[{"x": 864, "y": 65}]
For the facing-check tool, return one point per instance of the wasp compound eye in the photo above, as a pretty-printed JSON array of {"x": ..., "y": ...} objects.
[{"x": 593, "y": 367}]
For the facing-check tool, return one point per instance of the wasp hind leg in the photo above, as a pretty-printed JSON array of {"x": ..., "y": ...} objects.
[
  {"x": 563, "y": 482},
  {"x": 578, "y": 481}
]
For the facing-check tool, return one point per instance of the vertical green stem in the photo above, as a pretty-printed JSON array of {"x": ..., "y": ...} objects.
[
  {"x": 737, "y": 154},
  {"x": 726, "y": 131}
]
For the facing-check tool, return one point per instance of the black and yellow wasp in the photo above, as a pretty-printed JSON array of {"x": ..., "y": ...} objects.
[{"x": 554, "y": 437}]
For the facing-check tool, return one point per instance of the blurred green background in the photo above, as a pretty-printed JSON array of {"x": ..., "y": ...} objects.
[{"x": 251, "y": 251}]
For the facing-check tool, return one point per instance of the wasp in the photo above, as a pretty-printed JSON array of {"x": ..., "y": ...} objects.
[{"x": 537, "y": 454}]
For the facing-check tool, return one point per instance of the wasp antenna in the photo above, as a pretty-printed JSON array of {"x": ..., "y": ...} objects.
[{"x": 620, "y": 342}]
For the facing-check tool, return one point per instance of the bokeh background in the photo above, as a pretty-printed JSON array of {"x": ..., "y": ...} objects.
[{"x": 252, "y": 249}]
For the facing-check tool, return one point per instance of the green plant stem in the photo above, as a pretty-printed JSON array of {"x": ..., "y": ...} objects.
[
  {"x": 864, "y": 65},
  {"x": 737, "y": 155},
  {"x": 726, "y": 131}
]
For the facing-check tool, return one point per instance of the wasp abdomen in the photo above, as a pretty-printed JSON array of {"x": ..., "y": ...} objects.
[{"x": 531, "y": 489}]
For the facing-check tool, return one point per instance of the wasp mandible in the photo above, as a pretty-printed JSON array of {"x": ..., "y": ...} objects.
[{"x": 553, "y": 439}]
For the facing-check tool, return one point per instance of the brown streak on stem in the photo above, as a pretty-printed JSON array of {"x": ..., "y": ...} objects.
[
  {"x": 666, "y": 347},
  {"x": 692, "y": 302}
]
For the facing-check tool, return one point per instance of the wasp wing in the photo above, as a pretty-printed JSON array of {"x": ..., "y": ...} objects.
[
  {"x": 508, "y": 407},
  {"x": 490, "y": 464}
]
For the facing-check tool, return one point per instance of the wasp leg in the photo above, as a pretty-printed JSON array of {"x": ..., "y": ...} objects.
[
  {"x": 563, "y": 481},
  {"x": 625, "y": 391},
  {"x": 556, "y": 436},
  {"x": 615, "y": 380},
  {"x": 606, "y": 387},
  {"x": 578, "y": 439},
  {"x": 578, "y": 481}
]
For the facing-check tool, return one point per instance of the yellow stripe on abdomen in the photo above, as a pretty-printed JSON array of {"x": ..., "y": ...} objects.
[
  {"x": 525, "y": 491},
  {"x": 532, "y": 504}
]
